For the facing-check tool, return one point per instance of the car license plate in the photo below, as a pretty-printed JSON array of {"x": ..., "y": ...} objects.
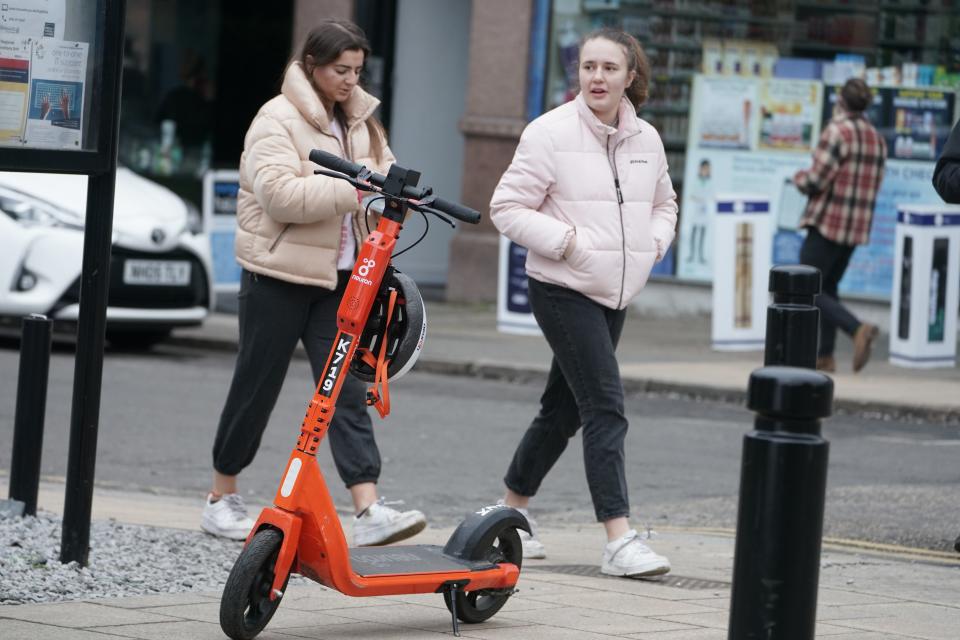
[{"x": 156, "y": 272}]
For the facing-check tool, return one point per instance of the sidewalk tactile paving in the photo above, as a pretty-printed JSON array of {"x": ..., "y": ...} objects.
[{"x": 593, "y": 571}]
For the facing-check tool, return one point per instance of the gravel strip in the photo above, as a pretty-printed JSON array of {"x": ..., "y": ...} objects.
[{"x": 125, "y": 560}]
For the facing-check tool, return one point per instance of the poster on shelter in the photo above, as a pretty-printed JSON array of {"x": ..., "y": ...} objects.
[
  {"x": 14, "y": 82},
  {"x": 32, "y": 18},
  {"x": 58, "y": 74}
]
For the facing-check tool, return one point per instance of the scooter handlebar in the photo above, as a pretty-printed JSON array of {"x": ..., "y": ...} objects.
[{"x": 354, "y": 170}]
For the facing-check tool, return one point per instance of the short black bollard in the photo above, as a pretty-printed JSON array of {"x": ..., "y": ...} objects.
[
  {"x": 780, "y": 517},
  {"x": 793, "y": 322},
  {"x": 35, "y": 338}
]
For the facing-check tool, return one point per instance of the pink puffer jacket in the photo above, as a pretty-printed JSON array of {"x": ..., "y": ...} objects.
[{"x": 572, "y": 174}]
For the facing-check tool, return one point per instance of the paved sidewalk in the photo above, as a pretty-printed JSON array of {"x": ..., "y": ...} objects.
[
  {"x": 868, "y": 594},
  {"x": 656, "y": 353}
]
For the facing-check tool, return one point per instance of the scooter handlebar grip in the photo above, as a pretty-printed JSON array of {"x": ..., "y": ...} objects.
[
  {"x": 335, "y": 163},
  {"x": 455, "y": 210}
]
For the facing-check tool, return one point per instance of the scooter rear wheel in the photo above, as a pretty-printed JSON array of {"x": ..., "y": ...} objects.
[
  {"x": 478, "y": 606},
  {"x": 246, "y": 607}
]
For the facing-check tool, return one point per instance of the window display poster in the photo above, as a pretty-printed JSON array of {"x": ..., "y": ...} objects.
[
  {"x": 32, "y": 18},
  {"x": 921, "y": 123},
  {"x": 58, "y": 72},
  {"x": 707, "y": 171},
  {"x": 14, "y": 82},
  {"x": 789, "y": 115},
  {"x": 730, "y": 121},
  {"x": 770, "y": 172},
  {"x": 914, "y": 122}
]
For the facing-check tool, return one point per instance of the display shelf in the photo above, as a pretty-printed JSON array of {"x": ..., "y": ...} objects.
[
  {"x": 833, "y": 7},
  {"x": 906, "y": 44},
  {"x": 922, "y": 9},
  {"x": 813, "y": 45},
  {"x": 682, "y": 46}
]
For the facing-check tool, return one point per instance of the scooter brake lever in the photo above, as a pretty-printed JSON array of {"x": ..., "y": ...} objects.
[
  {"x": 453, "y": 225},
  {"x": 355, "y": 182}
]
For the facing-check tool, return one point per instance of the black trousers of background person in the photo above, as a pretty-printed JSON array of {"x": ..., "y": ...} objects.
[
  {"x": 832, "y": 260},
  {"x": 583, "y": 389},
  {"x": 274, "y": 316}
]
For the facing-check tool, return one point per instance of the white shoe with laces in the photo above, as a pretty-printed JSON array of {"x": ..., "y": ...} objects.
[
  {"x": 533, "y": 549},
  {"x": 227, "y": 517},
  {"x": 627, "y": 557},
  {"x": 381, "y": 524}
]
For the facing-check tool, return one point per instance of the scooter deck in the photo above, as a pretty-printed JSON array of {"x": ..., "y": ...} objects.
[{"x": 374, "y": 561}]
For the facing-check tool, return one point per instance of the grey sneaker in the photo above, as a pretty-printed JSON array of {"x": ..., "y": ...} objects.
[
  {"x": 381, "y": 524},
  {"x": 627, "y": 557},
  {"x": 533, "y": 549},
  {"x": 227, "y": 517}
]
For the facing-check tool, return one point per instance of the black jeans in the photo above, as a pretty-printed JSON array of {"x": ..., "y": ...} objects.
[
  {"x": 832, "y": 260},
  {"x": 583, "y": 389},
  {"x": 274, "y": 315}
]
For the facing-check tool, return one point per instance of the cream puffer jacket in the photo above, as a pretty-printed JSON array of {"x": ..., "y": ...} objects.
[
  {"x": 573, "y": 175},
  {"x": 288, "y": 219}
]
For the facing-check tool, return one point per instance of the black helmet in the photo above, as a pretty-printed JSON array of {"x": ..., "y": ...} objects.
[{"x": 406, "y": 330}]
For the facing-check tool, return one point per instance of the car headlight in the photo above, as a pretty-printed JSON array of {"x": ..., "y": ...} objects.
[
  {"x": 29, "y": 211},
  {"x": 194, "y": 218}
]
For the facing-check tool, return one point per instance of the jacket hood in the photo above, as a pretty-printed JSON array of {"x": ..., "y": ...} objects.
[{"x": 298, "y": 89}]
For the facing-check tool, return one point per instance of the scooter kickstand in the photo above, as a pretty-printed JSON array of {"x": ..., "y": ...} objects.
[{"x": 454, "y": 588}]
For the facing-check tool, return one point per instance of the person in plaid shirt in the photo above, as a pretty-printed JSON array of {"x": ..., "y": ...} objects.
[{"x": 842, "y": 187}]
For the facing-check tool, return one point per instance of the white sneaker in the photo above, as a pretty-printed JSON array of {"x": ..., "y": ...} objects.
[
  {"x": 533, "y": 549},
  {"x": 227, "y": 517},
  {"x": 380, "y": 524},
  {"x": 627, "y": 557}
]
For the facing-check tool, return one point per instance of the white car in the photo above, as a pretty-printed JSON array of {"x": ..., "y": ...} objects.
[{"x": 160, "y": 269}]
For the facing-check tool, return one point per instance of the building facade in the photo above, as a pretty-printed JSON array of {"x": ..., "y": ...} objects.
[{"x": 459, "y": 79}]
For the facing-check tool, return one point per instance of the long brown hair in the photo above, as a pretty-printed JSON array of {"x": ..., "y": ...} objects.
[
  {"x": 323, "y": 45},
  {"x": 637, "y": 62}
]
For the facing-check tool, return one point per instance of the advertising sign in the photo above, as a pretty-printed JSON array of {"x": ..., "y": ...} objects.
[
  {"x": 220, "y": 190},
  {"x": 789, "y": 116}
]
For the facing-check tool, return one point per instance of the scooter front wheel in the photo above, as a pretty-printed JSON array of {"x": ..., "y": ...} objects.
[
  {"x": 478, "y": 606},
  {"x": 246, "y": 607}
]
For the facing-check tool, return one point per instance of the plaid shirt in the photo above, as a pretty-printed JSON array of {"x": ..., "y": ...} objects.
[{"x": 844, "y": 180}]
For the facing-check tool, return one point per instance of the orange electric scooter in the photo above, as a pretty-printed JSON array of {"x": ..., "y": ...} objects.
[{"x": 381, "y": 330}]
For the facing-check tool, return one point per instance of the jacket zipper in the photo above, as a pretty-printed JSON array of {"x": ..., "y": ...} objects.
[
  {"x": 279, "y": 237},
  {"x": 623, "y": 233}
]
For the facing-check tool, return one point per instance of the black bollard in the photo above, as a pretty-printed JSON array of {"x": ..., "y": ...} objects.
[
  {"x": 31, "y": 408},
  {"x": 793, "y": 322},
  {"x": 780, "y": 518}
]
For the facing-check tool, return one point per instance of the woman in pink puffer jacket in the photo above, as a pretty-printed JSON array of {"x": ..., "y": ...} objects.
[{"x": 589, "y": 196}]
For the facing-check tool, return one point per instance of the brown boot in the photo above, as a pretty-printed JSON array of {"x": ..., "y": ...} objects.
[
  {"x": 826, "y": 363},
  {"x": 863, "y": 339}
]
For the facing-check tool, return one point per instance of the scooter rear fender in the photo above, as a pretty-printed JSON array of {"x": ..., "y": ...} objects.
[{"x": 465, "y": 542}]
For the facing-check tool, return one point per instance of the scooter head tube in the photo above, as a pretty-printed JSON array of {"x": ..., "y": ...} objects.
[{"x": 471, "y": 540}]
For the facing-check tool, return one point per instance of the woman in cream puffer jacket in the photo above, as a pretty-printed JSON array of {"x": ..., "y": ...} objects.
[
  {"x": 288, "y": 219},
  {"x": 297, "y": 238},
  {"x": 589, "y": 196}
]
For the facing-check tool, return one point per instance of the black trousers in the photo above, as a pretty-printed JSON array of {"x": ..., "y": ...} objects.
[
  {"x": 583, "y": 389},
  {"x": 274, "y": 316},
  {"x": 832, "y": 260}
]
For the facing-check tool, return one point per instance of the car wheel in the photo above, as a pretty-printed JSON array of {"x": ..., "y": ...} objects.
[{"x": 136, "y": 340}]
